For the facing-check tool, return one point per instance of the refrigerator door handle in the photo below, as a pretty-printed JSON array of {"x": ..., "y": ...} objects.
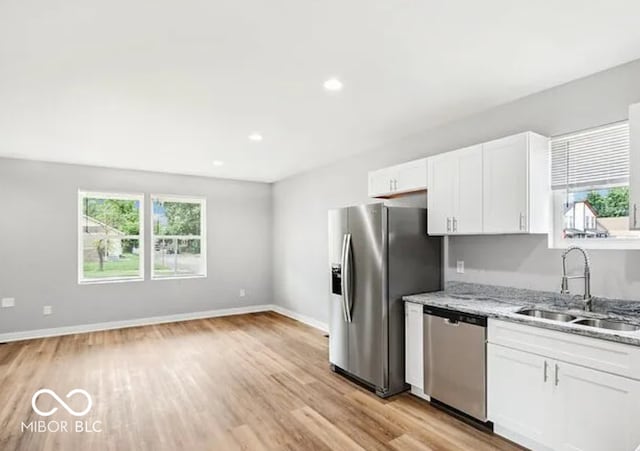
[
  {"x": 343, "y": 284},
  {"x": 346, "y": 278}
]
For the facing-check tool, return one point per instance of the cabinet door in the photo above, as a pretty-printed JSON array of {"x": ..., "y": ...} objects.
[
  {"x": 505, "y": 185},
  {"x": 381, "y": 182},
  {"x": 519, "y": 390},
  {"x": 634, "y": 167},
  {"x": 411, "y": 176},
  {"x": 413, "y": 345},
  {"x": 597, "y": 411},
  {"x": 442, "y": 171},
  {"x": 468, "y": 202}
]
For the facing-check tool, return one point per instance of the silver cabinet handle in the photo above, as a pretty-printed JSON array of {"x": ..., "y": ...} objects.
[
  {"x": 390, "y": 185},
  {"x": 448, "y": 224},
  {"x": 455, "y": 224},
  {"x": 450, "y": 322},
  {"x": 635, "y": 216},
  {"x": 522, "y": 221},
  {"x": 557, "y": 379},
  {"x": 546, "y": 366},
  {"x": 395, "y": 184}
]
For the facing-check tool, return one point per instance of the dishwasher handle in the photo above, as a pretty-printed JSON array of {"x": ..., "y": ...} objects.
[{"x": 453, "y": 317}]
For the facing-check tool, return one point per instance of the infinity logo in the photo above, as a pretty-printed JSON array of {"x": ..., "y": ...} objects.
[{"x": 61, "y": 402}]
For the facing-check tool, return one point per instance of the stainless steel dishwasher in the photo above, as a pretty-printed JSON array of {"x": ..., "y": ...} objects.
[{"x": 455, "y": 369}]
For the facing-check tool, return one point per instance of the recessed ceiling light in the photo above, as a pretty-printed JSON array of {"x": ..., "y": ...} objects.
[
  {"x": 218, "y": 163},
  {"x": 333, "y": 84},
  {"x": 256, "y": 137}
]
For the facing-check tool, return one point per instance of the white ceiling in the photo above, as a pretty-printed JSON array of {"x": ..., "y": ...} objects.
[{"x": 171, "y": 86}]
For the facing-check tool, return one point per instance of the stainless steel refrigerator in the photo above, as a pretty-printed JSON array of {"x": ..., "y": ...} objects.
[{"x": 377, "y": 254}]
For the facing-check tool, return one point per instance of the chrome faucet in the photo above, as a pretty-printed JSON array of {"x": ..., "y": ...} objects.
[{"x": 588, "y": 300}]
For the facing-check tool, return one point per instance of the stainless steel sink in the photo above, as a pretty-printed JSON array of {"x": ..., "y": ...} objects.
[
  {"x": 556, "y": 316},
  {"x": 607, "y": 324},
  {"x": 470, "y": 297}
]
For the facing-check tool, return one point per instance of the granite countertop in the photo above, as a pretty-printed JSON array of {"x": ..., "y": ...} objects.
[{"x": 503, "y": 303}]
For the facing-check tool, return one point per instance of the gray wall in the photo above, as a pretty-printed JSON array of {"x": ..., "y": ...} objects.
[
  {"x": 301, "y": 202},
  {"x": 38, "y": 243},
  {"x": 272, "y": 240}
]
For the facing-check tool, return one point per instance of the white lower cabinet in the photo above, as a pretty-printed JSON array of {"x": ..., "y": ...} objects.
[
  {"x": 596, "y": 410},
  {"x": 414, "y": 371},
  {"x": 543, "y": 402},
  {"x": 518, "y": 394}
]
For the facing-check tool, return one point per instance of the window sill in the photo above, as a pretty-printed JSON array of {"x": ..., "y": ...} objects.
[
  {"x": 109, "y": 280},
  {"x": 619, "y": 244},
  {"x": 200, "y": 276}
]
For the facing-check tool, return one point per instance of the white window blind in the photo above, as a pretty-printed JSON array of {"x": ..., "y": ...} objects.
[{"x": 592, "y": 158}]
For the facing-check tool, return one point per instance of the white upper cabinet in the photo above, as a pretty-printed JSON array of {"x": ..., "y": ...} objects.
[
  {"x": 468, "y": 191},
  {"x": 411, "y": 176},
  {"x": 515, "y": 176},
  {"x": 455, "y": 192},
  {"x": 441, "y": 176},
  {"x": 634, "y": 167},
  {"x": 400, "y": 179},
  {"x": 380, "y": 183},
  {"x": 504, "y": 186},
  {"x": 498, "y": 187},
  {"x": 501, "y": 186}
]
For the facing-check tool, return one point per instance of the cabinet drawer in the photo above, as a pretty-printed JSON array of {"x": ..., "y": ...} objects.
[{"x": 615, "y": 358}]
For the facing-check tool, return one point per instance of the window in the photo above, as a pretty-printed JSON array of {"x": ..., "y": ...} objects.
[
  {"x": 178, "y": 236},
  {"x": 110, "y": 230},
  {"x": 590, "y": 185}
]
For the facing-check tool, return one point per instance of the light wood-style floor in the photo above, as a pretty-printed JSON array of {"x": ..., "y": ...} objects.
[{"x": 258, "y": 381}]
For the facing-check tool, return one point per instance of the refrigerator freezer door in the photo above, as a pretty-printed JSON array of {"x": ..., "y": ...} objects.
[
  {"x": 338, "y": 327},
  {"x": 368, "y": 353}
]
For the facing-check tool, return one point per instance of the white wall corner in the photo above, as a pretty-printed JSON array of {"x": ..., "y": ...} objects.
[{"x": 302, "y": 318}]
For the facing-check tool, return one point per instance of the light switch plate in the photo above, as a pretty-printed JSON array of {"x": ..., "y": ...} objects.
[
  {"x": 8, "y": 302},
  {"x": 243, "y": 293},
  {"x": 47, "y": 310},
  {"x": 460, "y": 267}
]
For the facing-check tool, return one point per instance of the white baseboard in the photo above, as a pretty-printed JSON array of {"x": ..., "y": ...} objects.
[
  {"x": 95, "y": 327},
  {"x": 109, "y": 325},
  {"x": 302, "y": 318}
]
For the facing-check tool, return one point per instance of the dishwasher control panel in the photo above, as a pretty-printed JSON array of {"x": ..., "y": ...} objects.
[{"x": 456, "y": 317}]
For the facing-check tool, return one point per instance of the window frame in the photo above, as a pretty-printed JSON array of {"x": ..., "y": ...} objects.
[
  {"x": 557, "y": 225},
  {"x": 557, "y": 202},
  {"x": 140, "y": 197},
  {"x": 202, "y": 237}
]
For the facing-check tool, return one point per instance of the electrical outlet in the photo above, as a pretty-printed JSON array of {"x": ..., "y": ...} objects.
[
  {"x": 242, "y": 293},
  {"x": 460, "y": 267},
  {"x": 47, "y": 310},
  {"x": 8, "y": 302}
]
